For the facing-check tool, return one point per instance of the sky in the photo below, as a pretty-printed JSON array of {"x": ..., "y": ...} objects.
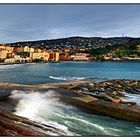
[{"x": 37, "y": 22}]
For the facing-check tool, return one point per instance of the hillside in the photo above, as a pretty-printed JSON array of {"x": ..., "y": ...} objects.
[
  {"x": 97, "y": 47},
  {"x": 73, "y": 42},
  {"x": 128, "y": 49}
]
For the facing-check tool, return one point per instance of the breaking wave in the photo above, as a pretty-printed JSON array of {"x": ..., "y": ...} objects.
[
  {"x": 45, "y": 108},
  {"x": 66, "y": 78},
  {"x": 40, "y": 107},
  {"x": 132, "y": 98}
]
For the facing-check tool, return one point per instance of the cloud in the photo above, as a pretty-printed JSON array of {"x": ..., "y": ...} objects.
[{"x": 35, "y": 22}]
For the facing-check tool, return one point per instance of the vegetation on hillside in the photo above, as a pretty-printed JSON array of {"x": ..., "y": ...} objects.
[{"x": 121, "y": 50}]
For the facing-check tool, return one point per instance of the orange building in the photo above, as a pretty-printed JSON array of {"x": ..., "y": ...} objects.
[
  {"x": 20, "y": 49},
  {"x": 65, "y": 58},
  {"x": 54, "y": 56}
]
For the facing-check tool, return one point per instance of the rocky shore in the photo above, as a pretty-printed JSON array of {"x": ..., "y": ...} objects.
[{"x": 97, "y": 96}]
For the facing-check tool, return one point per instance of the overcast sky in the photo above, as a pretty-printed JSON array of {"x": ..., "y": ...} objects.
[{"x": 35, "y": 22}]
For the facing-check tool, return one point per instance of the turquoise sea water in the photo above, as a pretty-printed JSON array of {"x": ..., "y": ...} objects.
[
  {"x": 70, "y": 119},
  {"x": 51, "y": 72}
]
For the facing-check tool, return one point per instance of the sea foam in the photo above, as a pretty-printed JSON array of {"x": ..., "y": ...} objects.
[
  {"x": 40, "y": 107},
  {"x": 66, "y": 78}
]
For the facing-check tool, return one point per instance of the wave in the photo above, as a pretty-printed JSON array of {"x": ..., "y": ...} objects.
[
  {"x": 66, "y": 78},
  {"x": 40, "y": 107},
  {"x": 45, "y": 108},
  {"x": 132, "y": 98}
]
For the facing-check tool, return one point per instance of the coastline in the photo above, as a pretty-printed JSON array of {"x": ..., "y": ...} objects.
[
  {"x": 1, "y": 64},
  {"x": 86, "y": 94}
]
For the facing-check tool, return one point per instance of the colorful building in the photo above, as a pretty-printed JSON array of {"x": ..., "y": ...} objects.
[
  {"x": 54, "y": 56},
  {"x": 80, "y": 57}
]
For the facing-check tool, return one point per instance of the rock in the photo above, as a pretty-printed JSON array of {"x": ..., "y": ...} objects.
[
  {"x": 114, "y": 93},
  {"x": 137, "y": 89},
  {"x": 91, "y": 84},
  {"x": 4, "y": 93},
  {"x": 129, "y": 103},
  {"x": 114, "y": 100},
  {"x": 116, "y": 110},
  {"x": 13, "y": 125},
  {"x": 76, "y": 93}
]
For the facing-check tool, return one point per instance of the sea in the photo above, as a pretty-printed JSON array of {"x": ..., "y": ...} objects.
[{"x": 70, "y": 119}]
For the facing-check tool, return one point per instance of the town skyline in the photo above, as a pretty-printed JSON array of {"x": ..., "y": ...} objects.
[{"x": 25, "y": 22}]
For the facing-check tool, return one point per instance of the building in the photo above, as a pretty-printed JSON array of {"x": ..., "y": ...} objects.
[
  {"x": 26, "y": 49},
  {"x": 54, "y": 56},
  {"x": 26, "y": 54},
  {"x": 18, "y": 58},
  {"x": 66, "y": 50},
  {"x": 6, "y": 52},
  {"x": 80, "y": 57},
  {"x": 3, "y": 54},
  {"x": 10, "y": 55},
  {"x": 20, "y": 49},
  {"x": 32, "y": 50},
  {"x": 37, "y": 55},
  {"x": 10, "y": 60},
  {"x": 65, "y": 58},
  {"x": 2, "y": 47},
  {"x": 9, "y": 49},
  {"x": 46, "y": 56}
]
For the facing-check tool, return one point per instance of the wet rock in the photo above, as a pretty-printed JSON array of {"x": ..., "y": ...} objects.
[
  {"x": 13, "y": 125},
  {"x": 4, "y": 93},
  {"x": 137, "y": 89},
  {"x": 116, "y": 110}
]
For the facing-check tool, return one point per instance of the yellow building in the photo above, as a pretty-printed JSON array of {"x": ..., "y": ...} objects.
[
  {"x": 37, "y": 55},
  {"x": 2, "y": 47},
  {"x": 39, "y": 50},
  {"x": 3, "y": 54},
  {"x": 56, "y": 56},
  {"x": 32, "y": 50},
  {"x": 9, "y": 49},
  {"x": 10, "y": 55},
  {"x": 26, "y": 49},
  {"x": 46, "y": 56}
]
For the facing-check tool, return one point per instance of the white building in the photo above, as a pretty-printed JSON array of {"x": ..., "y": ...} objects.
[
  {"x": 10, "y": 60},
  {"x": 80, "y": 57}
]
